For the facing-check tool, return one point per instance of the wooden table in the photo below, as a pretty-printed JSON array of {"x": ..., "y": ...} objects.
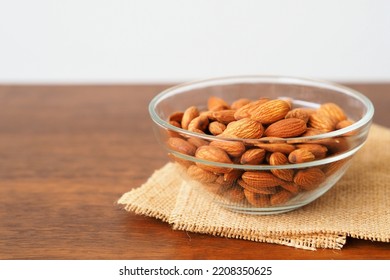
[{"x": 67, "y": 153}]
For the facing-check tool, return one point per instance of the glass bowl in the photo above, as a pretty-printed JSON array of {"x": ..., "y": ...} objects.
[{"x": 251, "y": 158}]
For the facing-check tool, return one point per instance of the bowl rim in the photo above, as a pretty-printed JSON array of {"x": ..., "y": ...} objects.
[{"x": 256, "y": 79}]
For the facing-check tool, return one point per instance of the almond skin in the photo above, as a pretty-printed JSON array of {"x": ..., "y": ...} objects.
[
  {"x": 232, "y": 176},
  {"x": 215, "y": 103},
  {"x": 278, "y": 158},
  {"x": 216, "y": 128},
  {"x": 213, "y": 154},
  {"x": 260, "y": 190},
  {"x": 253, "y": 156},
  {"x": 247, "y": 110},
  {"x": 333, "y": 111},
  {"x": 197, "y": 141},
  {"x": 172, "y": 133},
  {"x": 310, "y": 131},
  {"x": 189, "y": 114},
  {"x": 333, "y": 167},
  {"x": 182, "y": 146},
  {"x": 181, "y": 161},
  {"x": 235, "y": 194},
  {"x": 281, "y": 197},
  {"x": 298, "y": 113},
  {"x": 257, "y": 200},
  {"x": 224, "y": 116},
  {"x": 334, "y": 145},
  {"x": 319, "y": 151},
  {"x": 276, "y": 147},
  {"x": 291, "y": 187},
  {"x": 176, "y": 116},
  {"x": 286, "y": 128},
  {"x": 344, "y": 124},
  {"x": 310, "y": 178},
  {"x": 260, "y": 179},
  {"x": 221, "y": 182},
  {"x": 271, "y": 111},
  {"x": 199, "y": 123},
  {"x": 240, "y": 103},
  {"x": 234, "y": 149},
  {"x": 321, "y": 122},
  {"x": 244, "y": 128},
  {"x": 201, "y": 175},
  {"x": 300, "y": 156}
]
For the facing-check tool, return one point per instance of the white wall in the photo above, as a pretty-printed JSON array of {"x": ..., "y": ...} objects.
[{"x": 84, "y": 41}]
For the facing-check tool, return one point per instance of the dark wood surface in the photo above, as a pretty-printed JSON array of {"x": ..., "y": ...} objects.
[{"x": 67, "y": 153}]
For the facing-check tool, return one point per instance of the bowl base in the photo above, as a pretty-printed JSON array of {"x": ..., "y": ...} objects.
[{"x": 262, "y": 211}]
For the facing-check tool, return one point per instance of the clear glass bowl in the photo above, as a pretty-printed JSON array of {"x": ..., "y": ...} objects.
[{"x": 261, "y": 188}]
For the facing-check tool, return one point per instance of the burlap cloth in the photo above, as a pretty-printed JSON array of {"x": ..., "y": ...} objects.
[{"x": 357, "y": 206}]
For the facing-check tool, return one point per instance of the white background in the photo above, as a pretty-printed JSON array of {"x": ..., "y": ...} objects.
[{"x": 124, "y": 41}]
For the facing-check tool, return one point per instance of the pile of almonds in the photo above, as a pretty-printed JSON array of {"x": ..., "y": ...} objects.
[{"x": 256, "y": 132}]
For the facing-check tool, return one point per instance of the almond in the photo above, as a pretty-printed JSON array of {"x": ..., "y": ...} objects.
[
  {"x": 215, "y": 103},
  {"x": 182, "y": 146},
  {"x": 298, "y": 113},
  {"x": 201, "y": 175},
  {"x": 312, "y": 131},
  {"x": 257, "y": 200},
  {"x": 240, "y": 103},
  {"x": 235, "y": 194},
  {"x": 172, "y": 133},
  {"x": 333, "y": 111},
  {"x": 224, "y": 116},
  {"x": 216, "y": 128},
  {"x": 310, "y": 178},
  {"x": 234, "y": 149},
  {"x": 253, "y": 156},
  {"x": 188, "y": 115},
  {"x": 321, "y": 122},
  {"x": 198, "y": 123},
  {"x": 344, "y": 124},
  {"x": 271, "y": 111},
  {"x": 281, "y": 197},
  {"x": 276, "y": 147},
  {"x": 334, "y": 145},
  {"x": 213, "y": 154},
  {"x": 291, "y": 187},
  {"x": 247, "y": 110},
  {"x": 175, "y": 123},
  {"x": 232, "y": 176},
  {"x": 185, "y": 163},
  {"x": 286, "y": 128},
  {"x": 197, "y": 130},
  {"x": 262, "y": 190},
  {"x": 319, "y": 151},
  {"x": 176, "y": 116},
  {"x": 300, "y": 156},
  {"x": 260, "y": 179},
  {"x": 244, "y": 128},
  {"x": 221, "y": 182},
  {"x": 197, "y": 142},
  {"x": 208, "y": 114},
  {"x": 278, "y": 158},
  {"x": 331, "y": 168}
]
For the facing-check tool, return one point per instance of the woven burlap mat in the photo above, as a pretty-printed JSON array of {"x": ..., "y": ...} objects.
[{"x": 357, "y": 206}]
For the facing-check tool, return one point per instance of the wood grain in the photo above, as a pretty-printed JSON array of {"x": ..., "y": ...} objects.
[{"x": 67, "y": 153}]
